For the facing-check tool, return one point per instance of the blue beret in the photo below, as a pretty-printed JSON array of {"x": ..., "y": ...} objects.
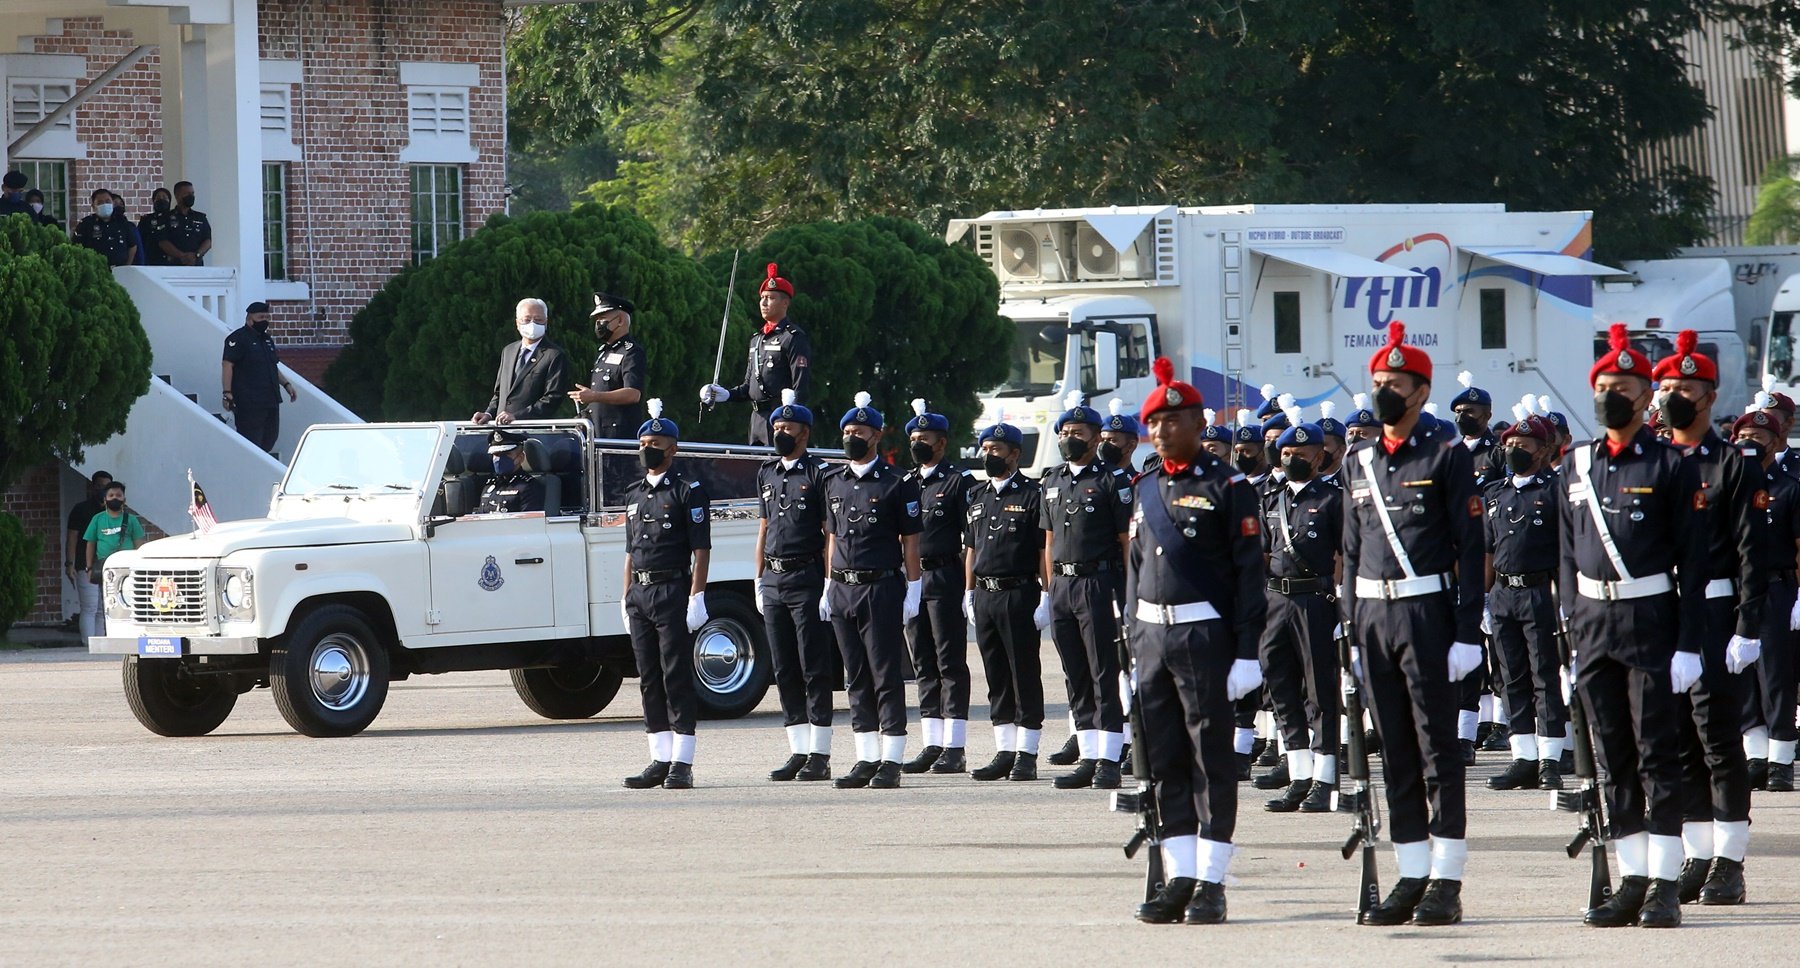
[
  {"x": 1249, "y": 434},
  {"x": 1471, "y": 394},
  {"x": 1330, "y": 427},
  {"x": 1561, "y": 422},
  {"x": 791, "y": 411},
  {"x": 1004, "y": 433},
  {"x": 1215, "y": 432},
  {"x": 1078, "y": 414},
  {"x": 1277, "y": 422},
  {"x": 926, "y": 420},
  {"x": 1121, "y": 423},
  {"x": 1362, "y": 418},
  {"x": 659, "y": 427},
  {"x": 1301, "y": 435},
  {"x": 862, "y": 413},
  {"x": 1270, "y": 406}
]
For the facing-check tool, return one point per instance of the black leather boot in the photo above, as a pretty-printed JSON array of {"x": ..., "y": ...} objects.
[
  {"x": 1081, "y": 779},
  {"x": 1024, "y": 767},
  {"x": 1692, "y": 879},
  {"x": 859, "y": 776},
  {"x": 1290, "y": 801},
  {"x": 1106, "y": 775},
  {"x": 1521, "y": 775},
  {"x": 1318, "y": 799},
  {"x": 887, "y": 776},
  {"x": 1781, "y": 778},
  {"x": 1070, "y": 752},
  {"x": 1549, "y": 775},
  {"x": 1275, "y": 779},
  {"x": 818, "y": 767},
  {"x": 951, "y": 760},
  {"x": 1468, "y": 751},
  {"x": 681, "y": 777},
  {"x": 653, "y": 776},
  {"x": 1620, "y": 910},
  {"x": 1759, "y": 774},
  {"x": 927, "y": 756},
  {"x": 1441, "y": 905},
  {"x": 1662, "y": 908},
  {"x": 1244, "y": 761},
  {"x": 997, "y": 768},
  {"x": 1169, "y": 905},
  {"x": 1270, "y": 755},
  {"x": 1397, "y": 907},
  {"x": 1724, "y": 883},
  {"x": 790, "y": 769},
  {"x": 1208, "y": 904}
]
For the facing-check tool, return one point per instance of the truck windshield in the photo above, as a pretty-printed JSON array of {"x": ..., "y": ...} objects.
[
  {"x": 345, "y": 460},
  {"x": 1781, "y": 347},
  {"x": 1039, "y": 350}
]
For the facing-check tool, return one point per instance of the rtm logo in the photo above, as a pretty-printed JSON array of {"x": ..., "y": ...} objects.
[{"x": 1388, "y": 295}]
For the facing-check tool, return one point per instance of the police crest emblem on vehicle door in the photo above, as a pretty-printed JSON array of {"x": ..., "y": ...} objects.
[{"x": 490, "y": 575}]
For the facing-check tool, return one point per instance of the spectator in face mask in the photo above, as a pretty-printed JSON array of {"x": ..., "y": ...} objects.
[
  {"x": 251, "y": 374},
  {"x": 187, "y": 235},
  {"x": 104, "y": 234},
  {"x": 34, "y": 200},
  {"x": 12, "y": 194},
  {"x": 137, "y": 239},
  {"x": 113, "y": 529},
  {"x": 152, "y": 228}
]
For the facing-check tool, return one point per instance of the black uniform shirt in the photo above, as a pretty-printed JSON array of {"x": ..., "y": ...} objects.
[
  {"x": 1219, "y": 516},
  {"x": 1731, "y": 499},
  {"x": 512, "y": 492},
  {"x": 1484, "y": 456},
  {"x": 868, "y": 515},
  {"x": 779, "y": 360},
  {"x": 618, "y": 365},
  {"x": 1005, "y": 529},
  {"x": 186, "y": 230},
  {"x": 1789, "y": 461},
  {"x": 944, "y": 494},
  {"x": 1428, "y": 484},
  {"x": 665, "y": 522},
  {"x": 1776, "y": 524},
  {"x": 1314, "y": 527},
  {"x": 110, "y": 237},
  {"x": 1085, "y": 511},
  {"x": 1523, "y": 525},
  {"x": 150, "y": 229},
  {"x": 792, "y": 500},
  {"x": 1655, "y": 511},
  {"x": 255, "y": 377}
]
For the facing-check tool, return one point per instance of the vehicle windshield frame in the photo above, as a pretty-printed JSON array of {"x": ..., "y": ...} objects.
[
  {"x": 409, "y": 458},
  {"x": 1026, "y": 338}
]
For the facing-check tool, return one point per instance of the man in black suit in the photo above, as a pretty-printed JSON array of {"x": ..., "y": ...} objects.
[{"x": 534, "y": 373}]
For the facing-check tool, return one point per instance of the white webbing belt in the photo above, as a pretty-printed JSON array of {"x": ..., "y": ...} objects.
[
  {"x": 1403, "y": 587},
  {"x": 1608, "y": 591},
  {"x": 1175, "y": 614}
]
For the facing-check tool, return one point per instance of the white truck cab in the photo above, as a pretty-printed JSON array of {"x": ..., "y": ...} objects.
[{"x": 373, "y": 566}]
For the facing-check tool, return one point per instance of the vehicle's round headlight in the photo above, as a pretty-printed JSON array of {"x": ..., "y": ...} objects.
[{"x": 236, "y": 593}]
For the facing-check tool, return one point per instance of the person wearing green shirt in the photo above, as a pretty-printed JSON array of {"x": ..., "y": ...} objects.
[{"x": 113, "y": 529}]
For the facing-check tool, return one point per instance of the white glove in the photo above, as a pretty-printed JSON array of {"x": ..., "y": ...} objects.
[
  {"x": 1567, "y": 675},
  {"x": 1356, "y": 661},
  {"x": 696, "y": 616},
  {"x": 714, "y": 393},
  {"x": 825, "y": 601},
  {"x": 1245, "y": 675},
  {"x": 1040, "y": 616},
  {"x": 1463, "y": 659},
  {"x": 1684, "y": 671},
  {"x": 759, "y": 592},
  {"x": 1742, "y": 653},
  {"x": 909, "y": 608},
  {"x": 624, "y": 615},
  {"x": 1794, "y": 617},
  {"x": 1125, "y": 691},
  {"x": 969, "y": 607},
  {"x": 1487, "y": 621}
]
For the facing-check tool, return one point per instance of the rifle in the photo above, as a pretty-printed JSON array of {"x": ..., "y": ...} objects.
[
  {"x": 1360, "y": 799},
  {"x": 1141, "y": 801},
  {"x": 1587, "y": 800},
  {"x": 719, "y": 357}
]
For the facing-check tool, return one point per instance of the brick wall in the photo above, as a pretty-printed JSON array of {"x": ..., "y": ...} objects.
[{"x": 122, "y": 125}]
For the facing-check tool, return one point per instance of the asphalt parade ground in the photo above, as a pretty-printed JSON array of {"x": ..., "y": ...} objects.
[{"x": 463, "y": 830}]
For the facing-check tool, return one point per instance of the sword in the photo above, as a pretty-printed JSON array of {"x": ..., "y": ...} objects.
[{"x": 719, "y": 357}]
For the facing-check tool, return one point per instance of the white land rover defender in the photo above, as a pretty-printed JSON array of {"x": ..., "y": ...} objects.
[{"x": 372, "y": 566}]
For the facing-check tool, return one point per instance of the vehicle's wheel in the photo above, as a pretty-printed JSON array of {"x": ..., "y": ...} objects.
[
  {"x": 171, "y": 701},
  {"x": 331, "y": 677},
  {"x": 732, "y": 668},
  {"x": 567, "y": 692}
]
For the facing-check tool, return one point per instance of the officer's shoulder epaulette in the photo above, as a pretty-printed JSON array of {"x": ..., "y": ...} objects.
[
  {"x": 1118, "y": 472},
  {"x": 968, "y": 474},
  {"x": 772, "y": 462}
]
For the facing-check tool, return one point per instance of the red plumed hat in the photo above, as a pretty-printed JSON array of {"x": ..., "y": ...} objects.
[
  {"x": 1170, "y": 393},
  {"x": 1686, "y": 364},
  {"x": 1620, "y": 358},
  {"x": 1397, "y": 356},
  {"x": 775, "y": 282}
]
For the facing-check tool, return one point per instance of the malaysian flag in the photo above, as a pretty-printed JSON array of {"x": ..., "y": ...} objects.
[{"x": 198, "y": 509}]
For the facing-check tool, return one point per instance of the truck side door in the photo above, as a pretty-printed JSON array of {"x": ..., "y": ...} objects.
[{"x": 492, "y": 572}]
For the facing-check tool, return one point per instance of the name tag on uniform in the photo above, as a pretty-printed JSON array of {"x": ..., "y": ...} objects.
[{"x": 615, "y": 357}]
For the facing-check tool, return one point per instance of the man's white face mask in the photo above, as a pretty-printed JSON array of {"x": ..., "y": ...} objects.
[{"x": 531, "y": 331}]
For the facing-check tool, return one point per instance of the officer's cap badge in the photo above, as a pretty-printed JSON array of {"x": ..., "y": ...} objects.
[
  {"x": 1172, "y": 397},
  {"x": 1688, "y": 366},
  {"x": 1396, "y": 358},
  {"x": 1625, "y": 361},
  {"x": 1300, "y": 436}
]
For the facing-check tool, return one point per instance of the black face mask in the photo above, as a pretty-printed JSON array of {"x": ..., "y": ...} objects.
[
  {"x": 1110, "y": 452},
  {"x": 652, "y": 457},
  {"x": 922, "y": 452},
  {"x": 115, "y": 504},
  {"x": 1750, "y": 450},
  {"x": 856, "y": 448},
  {"x": 1470, "y": 424},
  {"x": 785, "y": 443},
  {"x": 1389, "y": 405},
  {"x": 260, "y": 325},
  {"x": 1073, "y": 448},
  {"x": 1328, "y": 463},
  {"x": 1679, "y": 412},
  {"x": 1248, "y": 463},
  {"x": 162, "y": 205},
  {"x": 603, "y": 333},
  {"x": 996, "y": 466},
  {"x": 1519, "y": 460},
  {"x": 1298, "y": 469},
  {"x": 1614, "y": 410},
  {"x": 187, "y": 201}
]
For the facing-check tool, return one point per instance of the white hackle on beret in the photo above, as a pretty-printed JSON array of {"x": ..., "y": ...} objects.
[
  {"x": 1268, "y": 391},
  {"x": 863, "y": 398},
  {"x": 1520, "y": 413},
  {"x": 788, "y": 396},
  {"x": 1211, "y": 415},
  {"x": 918, "y": 405},
  {"x": 1116, "y": 406},
  {"x": 1544, "y": 405},
  {"x": 1327, "y": 409},
  {"x": 1360, "y": 401},
  {"x": 1431, "y": 408},
  {"x": 1768, "y": 382},
  {"x": 655, "y": 407},
  {"x": 1293, "y": 415},
  {"x": 1529, "y": 404},
  {"x": 1244, "y": 417},
  {"x": 1073, "y": 400},
  {"x": 1466, "y": 378},
  {"x": 1286, "y": 402},
  {"x": 1762, "y": 402}
]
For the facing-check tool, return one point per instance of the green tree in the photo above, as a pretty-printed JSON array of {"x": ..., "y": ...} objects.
[
  {"x": 1776, "y": 219},
  {"x": 73, "y": 354},
  {"x": 19, "y": 553}
]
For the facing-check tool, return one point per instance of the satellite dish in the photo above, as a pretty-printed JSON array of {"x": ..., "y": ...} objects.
[{"x": 1019, "y": 254}]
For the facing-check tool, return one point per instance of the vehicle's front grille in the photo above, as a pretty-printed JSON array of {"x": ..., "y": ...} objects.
[{"x": 169, "y": 596}]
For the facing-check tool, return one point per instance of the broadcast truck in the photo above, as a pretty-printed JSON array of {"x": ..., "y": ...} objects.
[
  {"x": 1297, "y": 297},
  {"x": 374, "y": 565}
]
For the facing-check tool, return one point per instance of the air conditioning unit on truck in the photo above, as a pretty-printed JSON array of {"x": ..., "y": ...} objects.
[
  {"x": 371, "y": 567},
  {"x": 1298, "y": 296}
]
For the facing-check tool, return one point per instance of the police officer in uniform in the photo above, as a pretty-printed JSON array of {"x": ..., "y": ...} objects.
[
  {"x": 250, "y": 371},
  {"x": 186, "y": 235},
  {"x": 1331, "y": 460},
  {"x": 1715, "y": 830},
  {"x": 513, "y": 487},
  {"x": 1215, "y": 439},
  {"x": 780, "y": 359},
  {"x": 1633, "y": 580},
  {"x": 1194, "y": 593},
  {"x": 616, "y": 386},
  {"x": 1362, "y": 424},
  {"x": 1769, "y": 732},
  {"x": 1413, "y": 563},
  {"x": 1479, "y": 725},
  {"x": 152, "y": 226},
  {"x": 111, "y": 237},
  {"x": 1118, "y": 441},
  {"x": 873, "y": 523},
  {"x": 939, "y": 635},
  {"x": 1251, "y": 459},
  {"x": 1303, "y": 522},
  {"x": 1523, "y": 522},
  {"x": 668, "y": 535},
  {"x": 1086, "y": 515},
  {"x": 790, "y": 581}
]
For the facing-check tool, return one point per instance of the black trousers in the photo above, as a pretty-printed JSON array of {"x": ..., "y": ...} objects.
[
  {"x": 759, "y": 424},
  {"x": 1405, "y": 651},
  {"x": 1086, "y": 635},
  {"x": 1008, "y": 643},
  {"x": 259, "y": 425},
  {"x": 1715, "y": 776},
  {"x": 1769, "y": 684},
  {"x": 867, "y": 621},
  {"x": 1622, "y": 669},
  {"x": 939, "y": 636},
  {"x": 800, "y": 644},
  {"x": 1300, "y": 670},
  {"x": 664, "y": 649},
  {"x": 1525, "y": 640},
  {"x": 1188, "y": 724}
]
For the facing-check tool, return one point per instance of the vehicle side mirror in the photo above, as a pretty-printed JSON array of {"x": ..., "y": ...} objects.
[{"x": 1106, "y": 362}]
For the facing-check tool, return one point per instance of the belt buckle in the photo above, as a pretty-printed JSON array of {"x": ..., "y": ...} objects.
[
  {"x": 852, "y": 578},
  {"x": 1388, "y": 591},
  {"x": 1167, "y": 612},
  {"x": 1609, "y": 590}
]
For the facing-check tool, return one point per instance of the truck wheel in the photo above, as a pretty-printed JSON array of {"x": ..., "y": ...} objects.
[
  {"x": 732, "y": 668},
  {"x": 170, "y": 701},
  {"x": 331, "y": 678},
  {"x": 567, "y": 692}
]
